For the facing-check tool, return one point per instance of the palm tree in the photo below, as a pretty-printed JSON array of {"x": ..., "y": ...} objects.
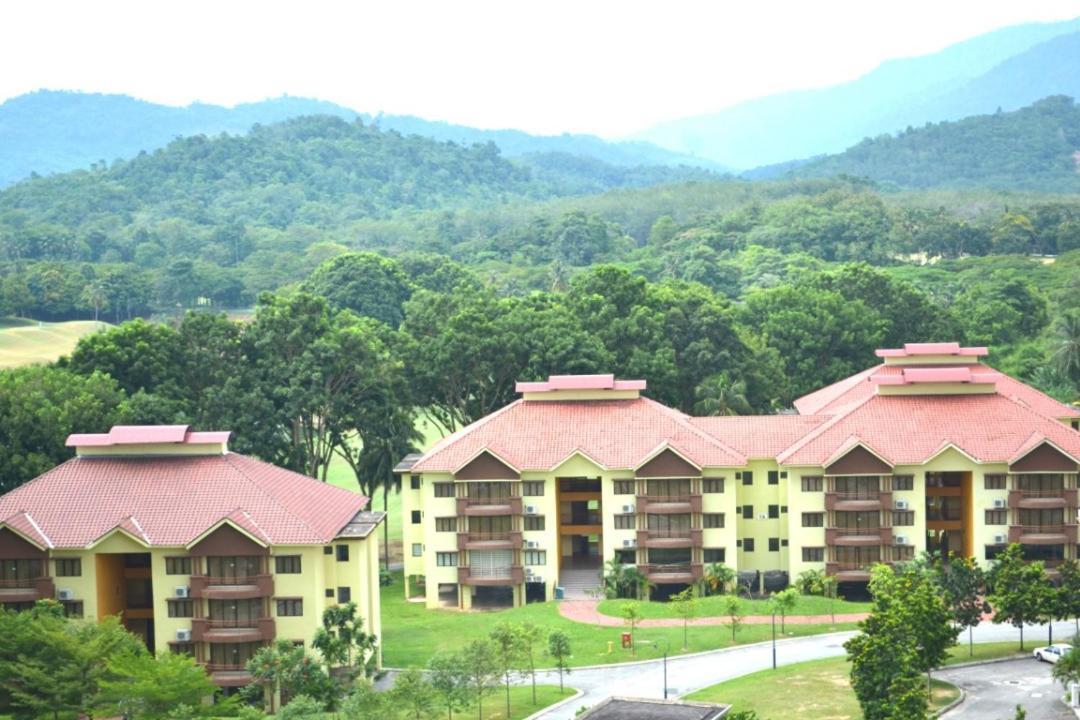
[
  {"x": 718, "y": 395},
  {"x": 1067, "y": 345},
  {"x": 614, "y": 577},
  {"x": 637, "y": 582},
  {"x": 718, "y": 577}
]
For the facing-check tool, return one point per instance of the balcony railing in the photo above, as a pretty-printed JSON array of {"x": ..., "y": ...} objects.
[
  {"x": 1043, "y": 498},
  {"x": 858, "y": 500},
  {"x": 232, "y": 629},
  {"x": 1043, "y": 534},
  {"x": 867, "y": 536},
  {"x": 501, "y": 575},
  {"x": 680, "y": 503},
  {"x": 225, "y": 667},
  {"x": 478, "y": 540},
  {"x": 481, "y": 506},
  {"x": 232, "y": 586},
  {"x": 27, "y": 589},
  {"x": 672, "y": 572},
  {"x": 17, "y": 583}
]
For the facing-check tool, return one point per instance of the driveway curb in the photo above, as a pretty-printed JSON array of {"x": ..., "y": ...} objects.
[{"x": 556, "y": 706}]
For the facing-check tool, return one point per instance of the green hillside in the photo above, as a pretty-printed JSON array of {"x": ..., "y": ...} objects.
[{"x": 31, "y": 342}]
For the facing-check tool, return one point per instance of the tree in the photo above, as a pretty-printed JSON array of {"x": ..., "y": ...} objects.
[
  {"x": 685, "y": 605},
  {"x": 140, "y": 685},
  {"x": 413, "y": 692},
  {"x": 559, "y": 650},
  {"x": 718, "y": 577},
  {"x": 784, "y": 602},
  {"x": 1020, "y": 589},
  {"x": 963, "y": 584},
  {"x": 507, "y": 642},
  {"x": 341, "y": 640},
  {"x": 1067, "y": 669},
  {"x": 530, "y": 636},
  {"x": 733, "y": 611},
  {"x": 368, "y": 284},
  {"x": 830, "y": 587},
  {"x": 482, "y": 669},
  {"x": 285, "y": 668},
  {"x": 448, "y": 678},
  {"x": 811, "y": 582},
  {"x": 1069, "y": 591},
  {"x": 302, "y": 707},
  {"x": 631, "y": 615},
  {"x": 365, "y": 703}
]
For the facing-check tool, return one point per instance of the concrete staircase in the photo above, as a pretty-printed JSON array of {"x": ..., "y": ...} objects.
[{"x": 576, "y": 581}]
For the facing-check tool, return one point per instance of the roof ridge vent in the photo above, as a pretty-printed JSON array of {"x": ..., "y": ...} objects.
[
  {"x": 939, "y": 353},
  {"x": 581, "y": 387}
]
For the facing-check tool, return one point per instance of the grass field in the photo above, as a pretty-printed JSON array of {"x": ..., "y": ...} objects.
[
  {"x": 26, "y": 342},
  {"x": 815, "y": 689},
  {"x": 412, "y": 633},
  {"x": 712, "y": 606}
]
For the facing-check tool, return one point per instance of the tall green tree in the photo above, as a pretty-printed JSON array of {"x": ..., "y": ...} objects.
[
  {"x": 559, "y": 650},
  {"x": 368, "y": 284},
  {"x": 509, "y": 649},
  {"x": 1020, "y": 589},
  {"x": 482, "y": 669},
  {"x": 140, "y": 685},
  {"x": 342, "y": 641},
  {"x": 448, "y": 677},
  {"x": 413, "y": 692},
  {"x": 964, "y": 585}
]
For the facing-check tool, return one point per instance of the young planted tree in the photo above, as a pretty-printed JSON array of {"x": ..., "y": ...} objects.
[
  {"x": 1020, "y": 589},
  {"x": 685, "y": 605},
  {"x": 448, "y": 677},
  {"x": 734, "y": 614},
  {"x": 482, "y": 670},
  {"x": 530, "y": 636},
  {"x": 783, "y": 603},
  {"x": 365, "y": 703},
  {"x": 342, "y": 641},
  {"x": 506, "y": 640},
  {"x": 963, "y": 583},
  {"x": 1069, "y": 591},
  {"x": 830, "y": 588},
  {"x": 413, "y": 692},
  {"x": 559, "y": 651},
  {"x": 631, "y": 615}
]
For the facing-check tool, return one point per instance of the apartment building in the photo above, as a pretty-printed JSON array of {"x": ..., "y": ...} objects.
[
  {"x": 928, "y": 449},
  {"x": 198, "y": 550}
]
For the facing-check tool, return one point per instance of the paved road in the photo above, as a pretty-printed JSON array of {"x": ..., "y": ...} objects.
[
  {"x": 994, "y": 690},
  {"x": 687, "y": 674}
]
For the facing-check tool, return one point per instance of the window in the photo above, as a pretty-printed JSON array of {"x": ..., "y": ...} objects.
[
  {"x": 329, "y": 592},
  {"x": 747, "y": 477},
  {"x": 738, "y": 543},
  {"x": 290, "y": 607},
  {"x": 73, "y": 608},
  {"x": 343, "y": 553},
  {"x": 813, "y": 554},
  {"x": 774, "y": 544},
  {"x": 748, "y": 545},
  {"x": 903, "y": 553},
  {"x": 994, "y": 482},
  {"x": 287, "y": 564},
  {"x": 533, "y": 488},
  {"x": 774, "y": 477},
  {"x": 417, "y": 549},
  {"x": 626, "y": 556},
  {"x": 181, "y": 608},
  {"x": 713, "y": 555},
  {"x": 446, "y": 524},
  {"x": 625, "y": 522},
  {"x": 182, "y": 648},
  {"x": 415, "y": 517},
  {"x": 783, "y": 509},
  {"x": 713, "y": 485},
  {"x": 328, "y": 550},
  {"x": 712, "y": 520},
  {"x": 536, "y": 557},
  {"x": 813, "y": 519},
  {"x": 446, "y": 559},
  {"x": 783, "y": 542},
  {"x": 903, "y": 482},
  {"x": 444, "y": 489},
  {"x": 344, "y": 594},
  {"x": 177, "y": 566},
  {"x": 903, "y": 518},
  {"x": 414, "y": 482},
  {"x": 624, "y": 487},
  {"x": 992, "y": 551},
  {"x": 534, "y": 522},
  {"x": 774, "y": 511},
  {"x": 812, "y": 483},
  {"x": 997, "y": 517},
  {"x": 68, "y": 567},
  {"x": 748, "y": 512}
]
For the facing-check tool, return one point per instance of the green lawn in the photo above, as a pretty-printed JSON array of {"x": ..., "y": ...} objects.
[
  {"x": 815, "y": 689},
  {"x": 713, "y": 606},
  {"x": 411, "y": 633},
  {"x": 521, "y": 705},
  {"x": 25, "y": 343},
  {"x": 984, "y": 651}
]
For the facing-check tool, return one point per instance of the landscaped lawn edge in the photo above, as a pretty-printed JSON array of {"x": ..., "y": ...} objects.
[{"x": 554, "y": 706}]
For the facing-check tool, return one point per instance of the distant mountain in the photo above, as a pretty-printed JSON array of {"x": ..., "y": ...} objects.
[
  {"x": 1008, "y": 68},
  {"x": 48, "y": 131},
  {"x": 1035, "y": 148}
]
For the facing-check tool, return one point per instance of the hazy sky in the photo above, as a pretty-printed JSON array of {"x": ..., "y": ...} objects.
[{"x": 581, "y": 66}]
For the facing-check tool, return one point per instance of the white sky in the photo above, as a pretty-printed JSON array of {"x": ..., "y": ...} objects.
[{"x": 609, "y": 68}]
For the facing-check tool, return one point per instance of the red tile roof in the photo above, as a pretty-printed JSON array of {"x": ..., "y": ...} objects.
[
  {"x": 760, "y": 436},
  {"x": 170, "y": 501},
  {"x": 146, "y": 434}
]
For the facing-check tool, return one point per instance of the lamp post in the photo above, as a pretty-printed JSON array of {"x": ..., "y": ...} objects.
[
  {"x": 774, "y": 640},
  {"x": 667, "y": 646}
]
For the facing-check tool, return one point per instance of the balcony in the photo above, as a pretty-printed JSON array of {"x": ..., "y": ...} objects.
[
  {"x": 489, "y": 540},
  {"x": 27, "y": 589},
  {"x": 858, "y": 537},
  {"x": 506, "y": 575},
  {"x": 850, "y": 571},
  {"x": 668, "y": 504},
  {"x": 232, "y": 630},
  {"x": 231, "y": 588},
  {"x": 672, "y": 573},
  {"x": 224, "y": 675},
  {"x": 489, "y": 506},
  {"x": 670, "y": 538},
  {"x": 1048, "y": 499},
  {"x": 1043, "y": 534},
  {"x": 858, "y": 500}
]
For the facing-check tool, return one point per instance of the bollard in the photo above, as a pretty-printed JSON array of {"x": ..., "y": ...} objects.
[{"x": 1075, "y": 692}]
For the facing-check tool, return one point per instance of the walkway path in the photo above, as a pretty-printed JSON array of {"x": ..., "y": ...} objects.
[
  {"x": 587, "y": 611},
  {"x": 687, "y": 673}
]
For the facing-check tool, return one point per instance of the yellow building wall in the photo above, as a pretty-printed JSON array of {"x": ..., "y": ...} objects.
[
  {"x": 800, "y": 502},
  {"x": 761, "y": 528},
  {"x": 84, "y": 587},
  {"x": 725, "y": 503}
]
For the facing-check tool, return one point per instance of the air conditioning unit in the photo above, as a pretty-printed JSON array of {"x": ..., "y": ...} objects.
[
  {"x": 65, "y": 595},
  {"x": 532, "y": 544},
  {"x": 999, "y": 503},
  {"x": 999, "y": 539},
  {"x": 628, "y": 543},
  {"x": 627, "y": 509},
  {"x": 902, "y": 505},
  {"x": 182, "y": 591},
  {"x": 900, "y": 540},
  {"x": 530, "y": 509},
  {"x": 183, "y": 636}
]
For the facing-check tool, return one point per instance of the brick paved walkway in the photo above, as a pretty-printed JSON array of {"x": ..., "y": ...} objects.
[{"x": 585, "y": 611}]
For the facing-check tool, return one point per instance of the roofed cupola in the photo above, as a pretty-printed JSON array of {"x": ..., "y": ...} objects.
[
  {"x": 151, "y": 440},
  {"x": 934, "y": 369},
  {"x": 581, "y": 387}
]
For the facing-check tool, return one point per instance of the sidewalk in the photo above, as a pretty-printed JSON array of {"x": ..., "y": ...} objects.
[{"x": 585, "y": 611}]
